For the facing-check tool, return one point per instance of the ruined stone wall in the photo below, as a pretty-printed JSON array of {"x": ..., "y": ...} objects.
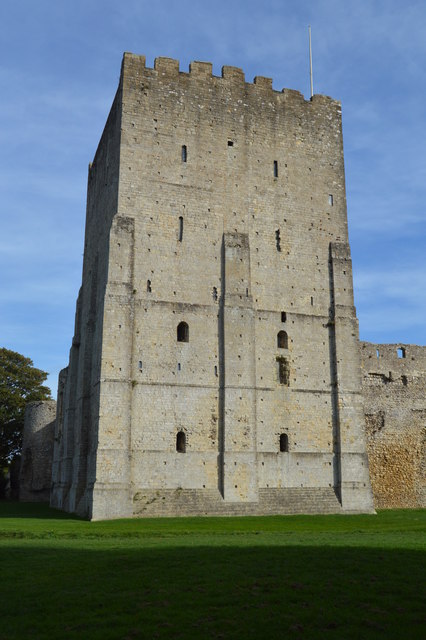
[
  {"x": 37, "y": 451},
  {"x": 394, "y": 391}
]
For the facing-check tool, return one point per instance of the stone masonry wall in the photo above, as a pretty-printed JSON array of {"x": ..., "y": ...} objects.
[
  {"x": 394, "y": 396},
  {"x": 231, "y": 219},
  {"x": 215, "y": 353},
  {"x": 394, "y": 391},
  {"x": 37, "y": 451}
]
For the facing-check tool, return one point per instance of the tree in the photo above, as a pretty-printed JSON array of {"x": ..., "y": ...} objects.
[{"x": 20, "y": 382}]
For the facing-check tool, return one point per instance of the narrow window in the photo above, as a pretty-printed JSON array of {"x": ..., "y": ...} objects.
[
  {"x": 182, "y": 332},
  {"x": 312, "y": 301},
  {"x": 215, "y": 371},
  {"x": 148, "y": 286},
  {"x": 215, "y": 293},
  {"x": 180, "y": 228},
  {"x": 330, "y": 199},
  {"x": 283, "y": 316},
  {"x": 184, "y": 153},
  {"x": 140, "y": 365},
  {"x": 179, "y": 366},
  {"x": 401, "y": 352},
  {"x": 377, "y": 354},
  {"x": 283, "y": 371},
  {"x": 275, "y": 168},
  {"x": 282, "y": 340},
  {"x": 283, "y": 442},
  {"x": 181, "y": 442},
  {"x": 278, "y": 239}
]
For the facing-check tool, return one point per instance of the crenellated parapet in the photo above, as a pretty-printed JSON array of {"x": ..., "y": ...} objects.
[{"x": 203, "y": 71}]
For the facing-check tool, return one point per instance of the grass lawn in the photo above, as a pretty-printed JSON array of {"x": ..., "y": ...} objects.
[{"x": 339, "y": 577}]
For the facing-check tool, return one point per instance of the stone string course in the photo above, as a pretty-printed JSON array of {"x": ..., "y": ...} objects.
[{"x": 220, "y": 204}]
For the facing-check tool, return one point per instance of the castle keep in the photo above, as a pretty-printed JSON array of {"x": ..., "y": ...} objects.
[{"x": 215, "y": 366}]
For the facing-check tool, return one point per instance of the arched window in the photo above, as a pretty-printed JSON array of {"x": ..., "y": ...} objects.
[
  {"x": 180, "y": 442},
  {"x": 182, "y": 332},
  {"x": 282, "y": 340},
  {"x": 283, "y": 442}
]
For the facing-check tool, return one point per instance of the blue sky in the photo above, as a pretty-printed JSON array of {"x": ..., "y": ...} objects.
[{"x": 59, "y": 69}]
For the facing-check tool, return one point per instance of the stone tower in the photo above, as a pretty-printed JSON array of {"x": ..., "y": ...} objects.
[
  {"x": 215, "y": 364},
  {"x": 37, "y": 451}
]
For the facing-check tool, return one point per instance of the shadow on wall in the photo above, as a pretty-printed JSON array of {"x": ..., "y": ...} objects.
[
  {"x": 9, "y": 481},
  {"x": 35, "y": 477}
]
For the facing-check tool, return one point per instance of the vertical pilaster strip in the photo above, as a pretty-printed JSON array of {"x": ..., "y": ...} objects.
[
  {"x": 335, "y": 413},
  {"x": 238, "y": 394},
  {"x": 112, "y": 489},
  {"x": 352, "y": 477}
]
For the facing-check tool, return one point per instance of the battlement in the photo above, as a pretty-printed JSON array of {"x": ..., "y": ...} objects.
[{"x": 169, "y": 67}]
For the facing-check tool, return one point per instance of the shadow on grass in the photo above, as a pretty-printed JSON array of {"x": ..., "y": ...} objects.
[
  {"x": 210, "y": 592},
  {"x": 39, "y": 510}
]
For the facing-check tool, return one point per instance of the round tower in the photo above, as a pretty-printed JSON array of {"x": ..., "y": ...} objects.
[{"x": 37, "y": 451}]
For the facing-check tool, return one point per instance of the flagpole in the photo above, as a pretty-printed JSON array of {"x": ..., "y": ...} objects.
[{"x": 310, "y": 62}]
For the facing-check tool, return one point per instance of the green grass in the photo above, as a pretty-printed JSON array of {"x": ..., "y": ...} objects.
[{"x": 340, "y": 577}]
